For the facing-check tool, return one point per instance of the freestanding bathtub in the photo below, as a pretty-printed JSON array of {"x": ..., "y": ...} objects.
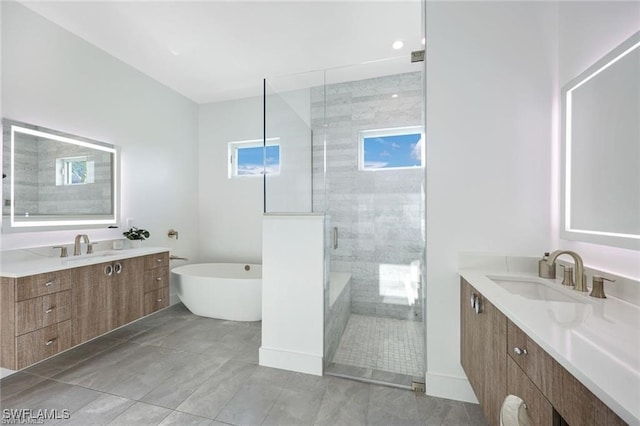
[{"x": 231, "y": 291}]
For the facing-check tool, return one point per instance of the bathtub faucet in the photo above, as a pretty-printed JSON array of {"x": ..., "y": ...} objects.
[{"x": 173, "y": 257}]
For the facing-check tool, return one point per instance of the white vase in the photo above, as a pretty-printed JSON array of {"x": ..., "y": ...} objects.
[{"x": 136, "y": 243}]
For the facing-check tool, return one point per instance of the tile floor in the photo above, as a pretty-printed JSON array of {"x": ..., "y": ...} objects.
[
  {"x": 176, "y": 368},
  {"x": 385, "y": 344}
]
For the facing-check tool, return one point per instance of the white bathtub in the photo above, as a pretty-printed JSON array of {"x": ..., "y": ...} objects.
[{"x": 231, "y": 291}]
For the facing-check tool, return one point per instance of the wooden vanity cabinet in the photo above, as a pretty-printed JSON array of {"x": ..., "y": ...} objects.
[
  {"x": 553, "y": 396},
  {"x": 156, "y": 282},
  {"x": 44, "y": 314},
  {"x": 539, "y": 409},
  {"x": 483, "y": 350},
  {"x": 35, "y": 318},
  {"x": 127, "y": 291},
  {"x": 91, "y": 301}
]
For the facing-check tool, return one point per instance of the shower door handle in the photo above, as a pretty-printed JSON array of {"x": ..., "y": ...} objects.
[{"x": 335, "y": 237}]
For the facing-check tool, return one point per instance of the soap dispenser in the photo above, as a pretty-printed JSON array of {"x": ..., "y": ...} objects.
[{"x": 544, "y": 269}]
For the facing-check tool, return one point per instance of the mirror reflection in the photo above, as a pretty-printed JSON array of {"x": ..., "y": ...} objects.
[
  {"x": 55, "y": 179},
  {"x": 602, "y": 150}
]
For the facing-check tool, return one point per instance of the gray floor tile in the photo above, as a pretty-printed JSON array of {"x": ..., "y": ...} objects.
[
  {"x": 250, "y": 405},
  {"x": 16, "y": 383},
  {"x": 178, "y": 418},
  {"x": 141, "y": 414},
  {"x": 212, "y": 396},
  {"x": 149, "y": 368},
  {"x": 390, "y": 406},
  {"x": 106, "y": 360},
  {"x": 100, "y": 411},
  {"x": 294, "y": 407},
  {"x": 68, "y": 359},
  {"x": 439, "y": 411},
  {"x": 476, "y": 417},
  {"x": 127, "y": 332},
  {"x": 206, "y": 370},
  {"x": 184, "y": 381},
  {"x": 51, "y": 395},
  {"x": 344, "y": 402}
]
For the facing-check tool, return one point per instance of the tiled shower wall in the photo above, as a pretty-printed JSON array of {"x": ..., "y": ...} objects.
[{"x": 379, "y": 214}]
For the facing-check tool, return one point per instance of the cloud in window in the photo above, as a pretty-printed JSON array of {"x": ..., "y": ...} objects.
[{"x": 416, "y": 151}]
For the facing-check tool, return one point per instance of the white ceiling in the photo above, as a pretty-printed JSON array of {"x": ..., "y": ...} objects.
[{"x": 217, "y": 50}]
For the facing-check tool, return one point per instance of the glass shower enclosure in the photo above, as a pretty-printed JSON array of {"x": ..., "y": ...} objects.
[{"x": 351, "y": 147}]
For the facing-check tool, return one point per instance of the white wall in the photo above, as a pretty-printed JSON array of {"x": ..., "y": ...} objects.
[
  {"x": 293, "y": 293},
  {"x": 230, "y": 212},
  {"x": 231, "y": 209},
  {"x": 490, "y": 79},
  {"x": 609, "y": 23},
  {"x": 54, "y": 79}
]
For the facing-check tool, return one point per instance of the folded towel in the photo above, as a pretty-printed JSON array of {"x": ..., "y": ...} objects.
[{"x": 514, "y": 412}]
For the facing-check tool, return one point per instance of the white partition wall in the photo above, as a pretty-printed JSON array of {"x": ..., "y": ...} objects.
[{"x": 292, "y": 292}]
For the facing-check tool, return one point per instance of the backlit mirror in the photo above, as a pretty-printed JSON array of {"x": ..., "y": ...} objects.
[
  {"x": 601, "y": 150},
  {"x": 54, "y": 180}
]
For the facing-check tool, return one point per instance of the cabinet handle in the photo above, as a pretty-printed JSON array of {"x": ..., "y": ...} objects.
[
  {"x": 159, "y": 260},
  {"x": 50, "y": 342},
  {"x": 49, "y": 283},
  {"x": 519, "y": 351},
  {"x": 117, "y": 267},
  {"x": 108, "y": 270},
  {"x": 473, "y": 300},
  {"x": 159, "y": 279},
  {"x": 48, "y": 311},
  {"x": 159, "y": 300},
  {"x": 478, "y": 305}
]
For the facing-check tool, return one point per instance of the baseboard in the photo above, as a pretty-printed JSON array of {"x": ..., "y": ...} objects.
[
  {"x": 292, "y": 361},
  {"x": 450, "y": 387}
]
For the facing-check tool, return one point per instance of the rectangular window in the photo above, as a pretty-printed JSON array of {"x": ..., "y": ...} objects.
[
  {"x": 74, "y": 171},
  {"x": 397, "y": 148},
  {"x": 251, "y": 158}
]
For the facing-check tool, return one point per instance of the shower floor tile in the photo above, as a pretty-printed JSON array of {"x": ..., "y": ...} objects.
[{"x": 386, "y": 344}]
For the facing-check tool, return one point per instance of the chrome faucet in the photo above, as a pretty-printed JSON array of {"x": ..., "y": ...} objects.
[
  {"x": 581, "y": 283},
  {"x": 76, "y": 244}
]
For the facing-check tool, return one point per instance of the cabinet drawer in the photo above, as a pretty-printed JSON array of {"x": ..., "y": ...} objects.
[
  {"x": 156, "y": 260},
  {"x": 530, "y": 357},
  {"x": 41, "y": 284},
  {"x": 539, "y": 408},
  {"x": 576, "y": 404},
  {"x": 156, "y": 300},
  {"x": 40, "y": 344},
  {"x": 33, "y": 314},
  {"x": 155, "y": 279}
]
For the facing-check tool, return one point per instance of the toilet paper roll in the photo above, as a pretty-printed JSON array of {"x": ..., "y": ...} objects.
[{"x": 514, "y": 412}]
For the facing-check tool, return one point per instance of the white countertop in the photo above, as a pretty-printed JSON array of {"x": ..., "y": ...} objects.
[
  {"x": 596, "y": 340},
  {"x": 42, "y": 264}
]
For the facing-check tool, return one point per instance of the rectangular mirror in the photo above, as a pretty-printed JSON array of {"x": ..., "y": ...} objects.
[
  {"x": 601, "y": 151},
  {"x": 54, "y": 180}
]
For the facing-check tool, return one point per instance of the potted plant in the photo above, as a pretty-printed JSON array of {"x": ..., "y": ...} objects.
[{"x": 136, "y": 236}]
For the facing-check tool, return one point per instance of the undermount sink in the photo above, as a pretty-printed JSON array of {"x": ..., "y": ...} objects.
[
  {"x": 532, "y": 289},
  {"x": 85, "y": 257}
]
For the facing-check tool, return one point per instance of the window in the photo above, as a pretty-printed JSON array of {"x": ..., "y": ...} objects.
[
  {"x": 251, "y": 158},
  {"x": 385, "y": 149},
  {"x": 74, "y": 171}
]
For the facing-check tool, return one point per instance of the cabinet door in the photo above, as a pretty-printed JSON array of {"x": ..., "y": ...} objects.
[
  {"x": 127, "y": 291},
  {"x": 539, "y": 409},
  {"x": 484, "y": 351},
  {"x": 469, "y": 336},
  {"x": 92, "y": 302}
]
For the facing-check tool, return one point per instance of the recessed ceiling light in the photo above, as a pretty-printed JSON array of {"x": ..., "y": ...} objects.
[
  {"x": 395, "y": 95},
  {"x": 397, "y": 44}
]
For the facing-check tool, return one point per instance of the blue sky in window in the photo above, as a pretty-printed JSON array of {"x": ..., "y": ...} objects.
[
  {"x": 393, "y": 151},
  {"x": 250, "y": 160}
]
